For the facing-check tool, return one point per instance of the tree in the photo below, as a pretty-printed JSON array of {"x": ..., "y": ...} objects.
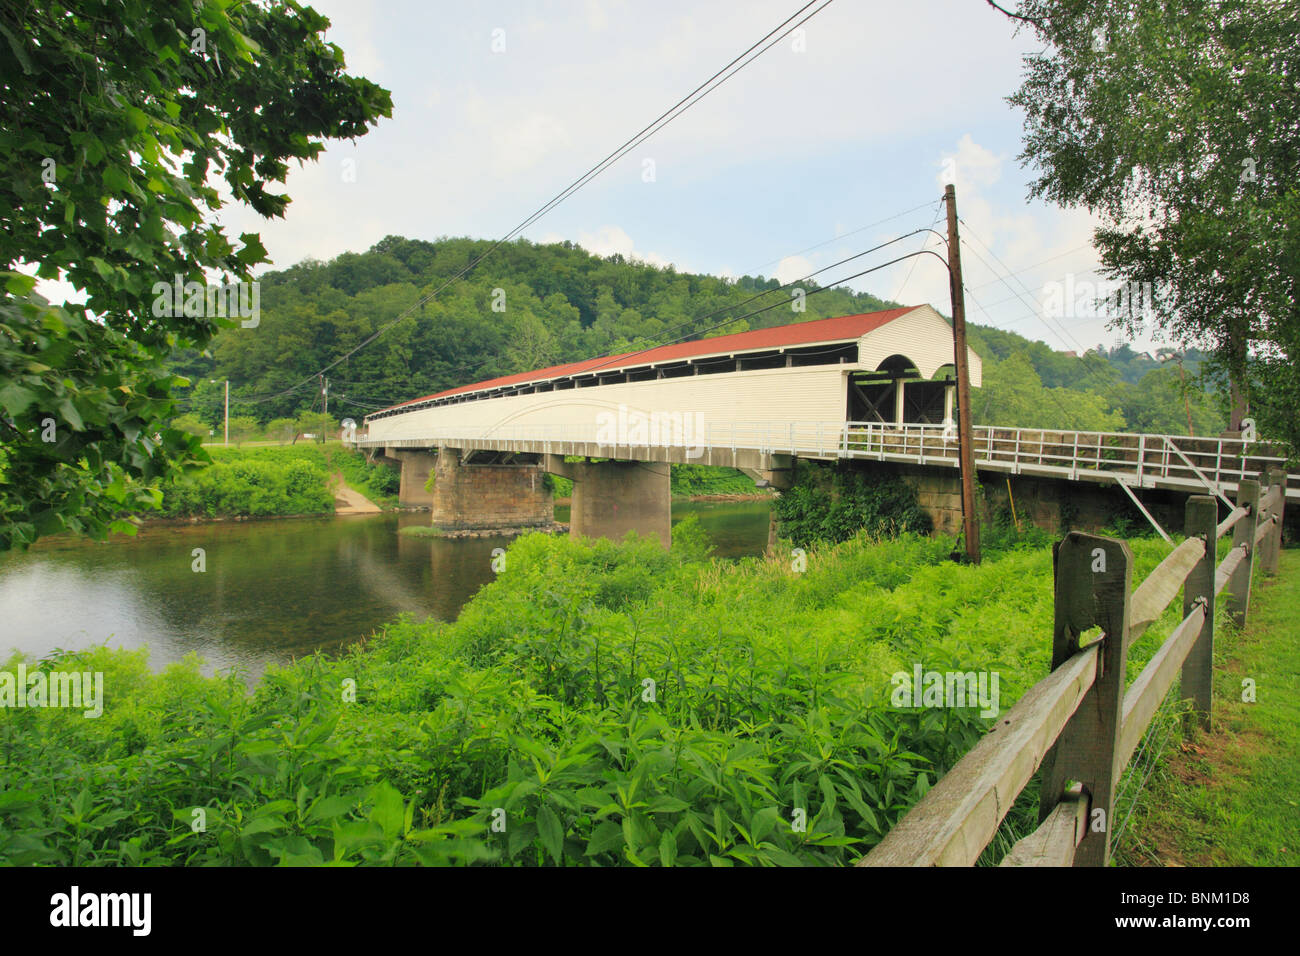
[
  {"x": 282, "y": 429},
  {"x": 318, "y": 424},
  {"x": 1013, "y": 395},
  {"x": 1176, "y": 123},
  {"x": 242, "y": 428},
  {"x": 192, "y": 425},
  {"x": 114, "y": 115}
]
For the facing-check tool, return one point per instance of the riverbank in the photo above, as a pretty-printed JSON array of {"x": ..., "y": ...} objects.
[{"x": 288, "y": 480}]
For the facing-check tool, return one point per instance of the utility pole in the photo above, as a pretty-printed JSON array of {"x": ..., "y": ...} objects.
[
  {"x": 1182, "y": 387},
  {"x": 965, "y": 448},
  {"x": 227, "y": 413}
]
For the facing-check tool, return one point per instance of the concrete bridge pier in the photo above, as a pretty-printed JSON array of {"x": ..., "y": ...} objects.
[
  {"x": 415, "y": 465},
  {"x": 611, "y": 498}
]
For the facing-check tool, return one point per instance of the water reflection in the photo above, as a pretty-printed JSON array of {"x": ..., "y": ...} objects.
[{"x": 272, "y": 590}]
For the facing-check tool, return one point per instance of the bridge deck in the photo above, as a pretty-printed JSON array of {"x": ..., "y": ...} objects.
[{"x": 1194, "y": 465}]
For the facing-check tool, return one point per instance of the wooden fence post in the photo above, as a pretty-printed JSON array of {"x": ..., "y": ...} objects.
[
  {"x": 1094, "y": 579},
  {"x": 1201, "y": 521},
  {"x": 1243, "y": 534},
  {"x": 1271, "y": 546}
]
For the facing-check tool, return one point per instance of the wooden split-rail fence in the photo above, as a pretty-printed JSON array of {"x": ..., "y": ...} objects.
[{"x": 1081, "y": 723}]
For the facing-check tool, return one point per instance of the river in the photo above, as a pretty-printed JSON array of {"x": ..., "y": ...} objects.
[{"x": 271, "y": 590}]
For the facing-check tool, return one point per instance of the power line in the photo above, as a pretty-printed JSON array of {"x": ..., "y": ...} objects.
[
  {"x": 1082, "y": 272},
  {"x": 870, "y": 225},
  {"x": 1034, "y": 265},
  {"x": 1062, "y": 335},
  {"x": 696, "y": 320},
  {"x": 938, "y": 211},
  {"x": 775, "y": 305},
  {"x": 1047, "y": 388},
  {"x": 701, "y": 91},
  {"x": 1083, "y": 353},
  {"x": 788, "y": 285}
]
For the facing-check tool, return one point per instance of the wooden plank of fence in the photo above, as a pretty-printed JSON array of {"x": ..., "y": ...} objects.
[
  {"x": 1145, "y": 694},
  {"x": 1272, "y": 546},
  {"x": 956, "y": 819},
  {"x": 1243, "y": 537},
  {"x": 1161, "y": 586},
  {"x": 1094, "y": 579},
  {"x": 1055, "y": 840},
  {"x": 1228, "y": 523},
  {"x": 1270, "y": 496},
  {"x": 1232, "y": 563},
  {"x": 1198, "y": 675}
]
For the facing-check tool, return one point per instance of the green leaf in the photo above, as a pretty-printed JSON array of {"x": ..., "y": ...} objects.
[
  {"x": 389, "y": 810},
  {"x": 606, "y": 837},
  {"x": 15, "y": 399},
  {"x": 668, "y": 848},
  {"x": 71, "y": 415},
  {"x": 551, "y": 832},
  {"x": 19, "y": 284}
]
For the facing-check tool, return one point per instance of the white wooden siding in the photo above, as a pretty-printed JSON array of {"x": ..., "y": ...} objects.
[
  {"x": 924, "y": 337},
  {"x": 775, "y": 396}
]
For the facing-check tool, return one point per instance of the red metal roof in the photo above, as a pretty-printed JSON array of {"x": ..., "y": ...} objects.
[{"x": 840, "y": 328}]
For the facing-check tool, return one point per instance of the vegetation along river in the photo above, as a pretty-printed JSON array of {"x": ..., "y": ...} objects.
[{"x": 272, "y": 589}]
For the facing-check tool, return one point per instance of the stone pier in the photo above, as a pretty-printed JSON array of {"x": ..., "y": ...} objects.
[{"x": 470, "y": 496}]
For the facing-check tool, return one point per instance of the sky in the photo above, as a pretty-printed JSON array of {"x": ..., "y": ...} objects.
[{"x": 829, "y": 143}]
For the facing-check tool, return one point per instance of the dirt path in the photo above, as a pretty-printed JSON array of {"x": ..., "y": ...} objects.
[{"x": 348, "y": 501}]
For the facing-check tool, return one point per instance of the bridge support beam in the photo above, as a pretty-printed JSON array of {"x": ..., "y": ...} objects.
[
  {"x": 611, "y": 498},
  {"x": 469, "y": 497}
]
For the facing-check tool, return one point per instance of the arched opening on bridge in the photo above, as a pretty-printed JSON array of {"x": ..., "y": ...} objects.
[{"x": 896, "y": 393}]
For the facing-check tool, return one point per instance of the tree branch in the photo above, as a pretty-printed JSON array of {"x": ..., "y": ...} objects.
[{"x": 1036, "y": 21}]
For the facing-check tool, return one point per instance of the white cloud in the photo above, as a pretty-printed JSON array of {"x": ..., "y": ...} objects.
[
  {"x": 614, "y": 240},
  {"x": 793, "y": 267}
]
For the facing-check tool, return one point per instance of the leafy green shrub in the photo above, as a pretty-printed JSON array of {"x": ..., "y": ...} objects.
[
  {"x": 832, "y": 504},
  {"x": 255, "y": 482},
  {"x": 710, "y": 480}
]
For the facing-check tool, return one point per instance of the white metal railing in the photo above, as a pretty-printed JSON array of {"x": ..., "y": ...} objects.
[{"x": 1146, "y": 460}]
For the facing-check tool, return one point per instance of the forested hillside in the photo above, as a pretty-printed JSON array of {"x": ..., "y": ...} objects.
[{"x": 529, "y": 306}]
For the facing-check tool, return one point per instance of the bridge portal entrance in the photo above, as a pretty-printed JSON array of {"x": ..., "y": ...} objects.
[{"x": 897, "y": 393}]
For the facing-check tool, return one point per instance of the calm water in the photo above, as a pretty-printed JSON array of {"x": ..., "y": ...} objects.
[{"x": 272, "y": 590}]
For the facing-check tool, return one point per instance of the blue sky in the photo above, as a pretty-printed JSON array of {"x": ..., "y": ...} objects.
[{"x": 799, "y": 149}]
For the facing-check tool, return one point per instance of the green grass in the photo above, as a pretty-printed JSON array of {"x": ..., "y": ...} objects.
[
  {"x": 1232, "y": 797},
  {"x": 421, "y": 531}
]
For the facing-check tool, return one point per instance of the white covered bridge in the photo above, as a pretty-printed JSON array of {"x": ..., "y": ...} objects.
[
  {"x": 879, "y": 386},
  {"x": 894, "y": 366}
]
